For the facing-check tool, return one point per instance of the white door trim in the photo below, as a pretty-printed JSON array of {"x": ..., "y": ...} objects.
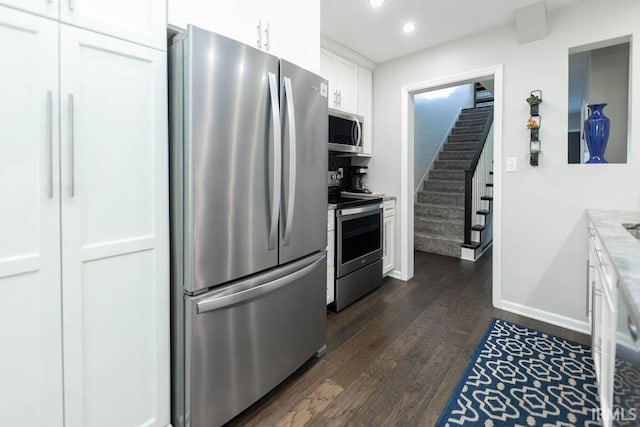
[{"x": 406, "y": 159}]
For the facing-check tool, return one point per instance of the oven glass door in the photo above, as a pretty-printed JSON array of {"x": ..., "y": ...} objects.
[{"x": 359, "y": 240}]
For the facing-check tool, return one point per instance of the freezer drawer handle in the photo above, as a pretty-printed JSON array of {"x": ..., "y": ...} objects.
[
  {"x": 277, "y": 166},
  {"x": 223, "y": 301},
  {"x": 291, "y": 200}
]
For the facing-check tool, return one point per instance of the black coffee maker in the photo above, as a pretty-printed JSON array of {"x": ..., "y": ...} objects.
[{"x": 359, "y": 180}]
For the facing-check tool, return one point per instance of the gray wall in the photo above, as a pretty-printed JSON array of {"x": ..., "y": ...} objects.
[
  {"x": 542, "y": 235},
  {"x": 434, "y": 114},
  {"x": 609, "y": 80}
]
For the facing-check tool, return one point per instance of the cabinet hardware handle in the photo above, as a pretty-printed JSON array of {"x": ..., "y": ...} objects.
[
  {"x": 259, "y": 29},
  {"x": 340, "y": 98},
  {"x": 50, "y": 141},
  {"x": 633, "y": 329},
  {"x": 267, "y": 43},
  {"x": 72, "y": 181},
  {"x": 72, "y": 5}
]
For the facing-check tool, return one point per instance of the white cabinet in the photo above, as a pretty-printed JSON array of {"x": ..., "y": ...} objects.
[
  {"x": 84, "y": 248},
  {"x": 115, "y": 237},
  {"x": 141, "y": 21},
  {"x": 289, "y": 29},
  {"x": 389, "y": 236},
  {"x": 365, "y": 108},
  {"x": 331, "y": 247},
  {"x": 30, "y": 307},
  {"x": 343, "y": 81},
  {"x": 603, "y": 287},
  {"x": 48, "y": 8}
]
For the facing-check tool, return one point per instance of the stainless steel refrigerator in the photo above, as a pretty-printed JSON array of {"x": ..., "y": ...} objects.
[{"x": 248, "y": 221}]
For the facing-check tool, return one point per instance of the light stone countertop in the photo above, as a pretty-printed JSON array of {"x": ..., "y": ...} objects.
[{"x": 624, "y": 251}]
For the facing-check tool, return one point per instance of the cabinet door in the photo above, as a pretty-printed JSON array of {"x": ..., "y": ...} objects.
[
  {"x": 237, "y": 19},
  {"x": 30, "y": 308},
  {"x": 347, "y": 85},
  {"x": 365, "y": 107},
  {"x": 328, "y": 71},
  {"x": 48, "y": 8},
  {"x": 141, "y": 21},
  {"x": 388, "y": 248},
  {"x": 115, "y": 263}
]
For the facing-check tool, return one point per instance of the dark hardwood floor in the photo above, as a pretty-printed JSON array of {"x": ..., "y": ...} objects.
[{"x": 394, "y": 357}]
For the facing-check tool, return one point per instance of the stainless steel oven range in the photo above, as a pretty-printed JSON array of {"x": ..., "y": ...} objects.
[{"x": 359, "y": 249}]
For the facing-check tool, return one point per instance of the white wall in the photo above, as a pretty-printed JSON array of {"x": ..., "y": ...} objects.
[
  {"x": 609, "y": 83},
  {"x": 544, "y": 240},
  {"x": 434, "y": 113}
]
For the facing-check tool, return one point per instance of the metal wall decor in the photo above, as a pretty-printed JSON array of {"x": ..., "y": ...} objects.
[{"x": 533, "y": 124}]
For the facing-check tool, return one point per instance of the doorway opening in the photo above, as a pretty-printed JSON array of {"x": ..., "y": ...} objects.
[{"x": 408, "y": 157}]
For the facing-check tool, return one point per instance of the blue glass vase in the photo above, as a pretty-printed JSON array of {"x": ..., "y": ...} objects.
[{"x": 596, "y": 132}]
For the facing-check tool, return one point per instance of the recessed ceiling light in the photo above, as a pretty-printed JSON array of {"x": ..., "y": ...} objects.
[
  {"x": 376, "y": 3},
  {"x": 409, "y": 27}
]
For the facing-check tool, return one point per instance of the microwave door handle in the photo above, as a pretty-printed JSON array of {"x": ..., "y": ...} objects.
[
  {"x": 291, "y": 119},
  {"x": 277, "y": 158},
  {"x": 359, "y": 130}
]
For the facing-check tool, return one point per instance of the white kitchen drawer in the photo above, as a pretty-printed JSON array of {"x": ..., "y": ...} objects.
[
  {"x": 331, "y": 219},
  {"x": 331, "y": 246},
  {"x": 389, "y": 208},
  {"x": 330, "y": 283}
]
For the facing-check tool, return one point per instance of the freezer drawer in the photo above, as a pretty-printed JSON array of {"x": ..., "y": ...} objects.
[{"x": 245, "y": 338}]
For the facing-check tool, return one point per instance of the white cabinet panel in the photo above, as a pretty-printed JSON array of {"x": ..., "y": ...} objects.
[
  {"x": 141, "y": 21},
  {"x": 331, "y": 291},
  {"x": 48, "y": 8},
  {"x": 347, "y": 85},
  {"x": 30, "y": 308},
  {"x": 115, "y": 231},
  {"x": 389, "y": 236},
  {"x": 365, "y": 108}
]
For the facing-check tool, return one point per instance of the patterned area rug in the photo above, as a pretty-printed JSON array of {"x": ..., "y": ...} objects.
[{"x": 522, "y": 377}]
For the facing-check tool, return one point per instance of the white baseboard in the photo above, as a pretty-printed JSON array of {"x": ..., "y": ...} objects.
[
  {"x": 548, "y": 317},
  {"x": 396, "y": 274}
]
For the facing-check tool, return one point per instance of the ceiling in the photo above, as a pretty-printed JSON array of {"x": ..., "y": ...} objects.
[{"x": 377, "y": 33}]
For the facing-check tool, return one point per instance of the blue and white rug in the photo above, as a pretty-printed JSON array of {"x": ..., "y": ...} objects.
[{"x": 522, "y": 377}]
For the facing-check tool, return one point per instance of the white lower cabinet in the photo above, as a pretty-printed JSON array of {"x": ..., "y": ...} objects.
[
  {"x": 603, "y": 288},
  {"x": 84, "y": 262},
  {"x": 389, "y": 236},
  {"x": 331, "y": 247}
]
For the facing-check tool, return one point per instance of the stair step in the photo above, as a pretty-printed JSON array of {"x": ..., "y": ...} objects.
[
  {"x": 434, "y": 211},
  {"x": 441, "y": 199},
  {"x": 451, "y": 164},
  {"x": 489, "y": 198},
  {"x": 474, "y": 115},
  {"x": 444, "y": 186},
  {"x": 478, "y": 227},
  {"x": 472, "y": 245},
  {"x": 446, "y": 175},
  {"x": 490, "y": 184},
  {"x": 438, "y": 245},
  {"x": 453, "y": 229},
  {"x": 457, "y": 155},
  {"x": 467, "y": 130},
  {"x": 470, "y": 137},
  {"x": 460, "y": 146},
  {"x": 471, "y": 122},
  {"x": 484, "y": 212},
  {"x": 476, "y": 110}
]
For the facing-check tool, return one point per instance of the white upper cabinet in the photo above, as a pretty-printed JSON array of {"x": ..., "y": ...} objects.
[
  {"x": 343, "y": 81},
  {"x": 30, "y": 307},
  {"x": 140, "y": 21},
  {"x": 114, "y": 206},
  {"x": 289, "y": 29},
  {"x": 48, "y": 8}
]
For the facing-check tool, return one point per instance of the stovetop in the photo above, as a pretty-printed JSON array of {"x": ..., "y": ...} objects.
[{"x": 349, "y": 202}]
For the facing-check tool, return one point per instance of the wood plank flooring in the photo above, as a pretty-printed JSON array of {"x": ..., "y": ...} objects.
[{"x": 395, "y": 356}]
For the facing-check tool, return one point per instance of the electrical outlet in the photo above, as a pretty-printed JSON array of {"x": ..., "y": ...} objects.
[{"x": 512, "y": 164}]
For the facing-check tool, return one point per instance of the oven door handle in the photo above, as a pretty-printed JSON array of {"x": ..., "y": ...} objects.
[{"x": 360, "y": 209}]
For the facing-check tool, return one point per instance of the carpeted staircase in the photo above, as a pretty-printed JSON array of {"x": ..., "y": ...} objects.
[{"x": 439, "y": 210}]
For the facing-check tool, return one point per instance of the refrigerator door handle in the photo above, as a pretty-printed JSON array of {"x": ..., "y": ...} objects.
[
  {"x": 291, "y": 118},
  {"x": 277, "y": 159},
  {"x": 247, "y": 292}
]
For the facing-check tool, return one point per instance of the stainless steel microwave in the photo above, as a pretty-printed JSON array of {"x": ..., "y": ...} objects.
[{"x": 345, "y": 132}]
